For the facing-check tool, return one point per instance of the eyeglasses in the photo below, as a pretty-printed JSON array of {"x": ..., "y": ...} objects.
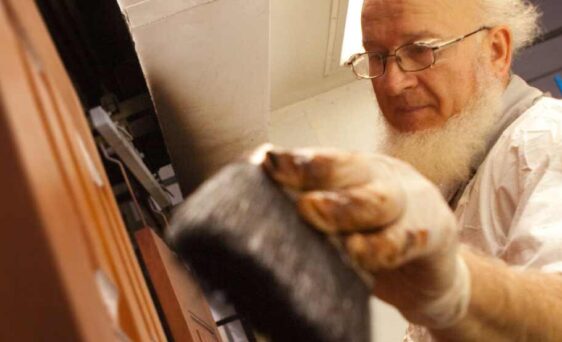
[{"x": 410, "y": 57}]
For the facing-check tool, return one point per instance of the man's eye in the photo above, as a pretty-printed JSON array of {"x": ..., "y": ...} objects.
[
  {"x": 374, "y": 57},
  {"x": 417, "y": 50}
]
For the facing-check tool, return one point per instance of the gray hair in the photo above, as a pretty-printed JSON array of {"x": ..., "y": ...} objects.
[{"x": 521, "y": 16}]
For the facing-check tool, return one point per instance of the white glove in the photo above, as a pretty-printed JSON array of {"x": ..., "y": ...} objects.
[{"x": 395, "y": 224}]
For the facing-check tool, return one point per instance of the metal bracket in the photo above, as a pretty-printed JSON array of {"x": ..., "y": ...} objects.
[{"x": 129, "y": 155}]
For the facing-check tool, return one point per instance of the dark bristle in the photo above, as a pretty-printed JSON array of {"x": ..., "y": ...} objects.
[{"x": 242, "y": 235}]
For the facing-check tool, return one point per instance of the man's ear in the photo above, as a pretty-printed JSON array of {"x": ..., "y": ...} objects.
[{"x": 501, "y": 44}]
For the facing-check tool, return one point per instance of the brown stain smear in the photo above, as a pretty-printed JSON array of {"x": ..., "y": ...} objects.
[{"x": 316, "y": 173}]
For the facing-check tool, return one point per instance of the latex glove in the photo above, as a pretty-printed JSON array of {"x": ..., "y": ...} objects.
[{"x": 394, "y": 223}]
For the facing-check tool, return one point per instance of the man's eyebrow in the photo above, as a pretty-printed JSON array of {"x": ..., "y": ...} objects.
[{"x": 408, "y": 37}]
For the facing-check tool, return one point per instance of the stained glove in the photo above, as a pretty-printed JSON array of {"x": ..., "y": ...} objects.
[{"x": 393, "y": 222}]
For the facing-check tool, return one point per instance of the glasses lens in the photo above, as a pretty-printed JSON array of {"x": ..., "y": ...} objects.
[
  {"x": 368, "y": 65},
  {"x": 414, "y": 57}
]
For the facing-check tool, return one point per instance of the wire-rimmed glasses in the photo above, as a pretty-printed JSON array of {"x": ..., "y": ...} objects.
[{"x": 410, "y": 57}]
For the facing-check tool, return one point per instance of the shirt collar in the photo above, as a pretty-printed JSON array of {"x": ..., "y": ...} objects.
[{"x": 516, "y": 99}]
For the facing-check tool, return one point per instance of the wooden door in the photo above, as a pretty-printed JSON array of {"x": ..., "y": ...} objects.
[
  {"x": 184, "y": 304},
  {"x": 68, "y": 269}
]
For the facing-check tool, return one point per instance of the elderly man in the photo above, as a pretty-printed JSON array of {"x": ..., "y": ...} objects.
[{"x": 471, "y": 250}]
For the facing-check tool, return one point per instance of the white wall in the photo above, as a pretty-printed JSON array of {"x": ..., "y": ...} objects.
[
  {"x": 301, "y": 33},
  {"x": 206, "y": 63},
  {"x": 345, "y": 117}
]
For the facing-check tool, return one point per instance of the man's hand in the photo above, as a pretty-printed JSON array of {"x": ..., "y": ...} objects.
[{"x": 394, "y": 223}]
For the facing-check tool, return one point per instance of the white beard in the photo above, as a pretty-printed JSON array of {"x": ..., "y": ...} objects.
[{"x": 447, "y": 155}]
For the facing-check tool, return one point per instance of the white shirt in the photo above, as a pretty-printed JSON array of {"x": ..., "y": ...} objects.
[{"x": 512, "y": 207}]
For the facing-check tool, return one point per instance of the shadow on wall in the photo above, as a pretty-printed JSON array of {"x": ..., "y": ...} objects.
[{"x": 197, "y": 145}]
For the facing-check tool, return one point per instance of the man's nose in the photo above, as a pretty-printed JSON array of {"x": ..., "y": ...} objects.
[{"x": 394, "y": 80}]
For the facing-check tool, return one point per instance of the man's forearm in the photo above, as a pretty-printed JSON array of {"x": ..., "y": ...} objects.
[{"x": 508, "y": 305}]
